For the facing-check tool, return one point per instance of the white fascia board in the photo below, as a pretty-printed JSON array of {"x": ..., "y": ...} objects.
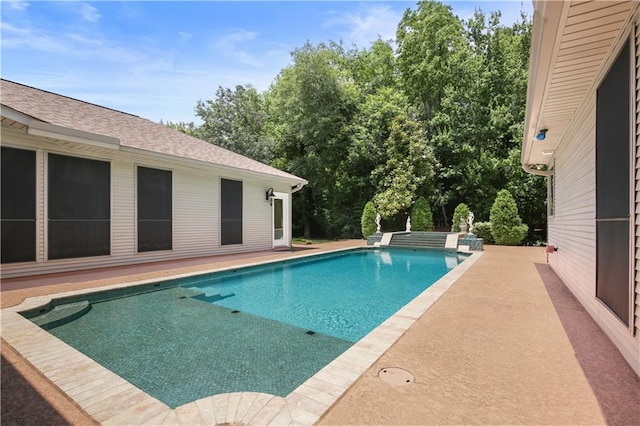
[
  {"x": 545, "y": 40},
  {"x": 40, "y": 128},
  {"x": 14, "y": 115},
  {"x": 295, "y": 180}
]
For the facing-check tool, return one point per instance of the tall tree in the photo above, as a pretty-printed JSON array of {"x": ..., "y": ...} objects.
[
  {"x": 235, "y": 120},
  {"x": 428, "y": 39},
  {"x": 311, "y": 105}
]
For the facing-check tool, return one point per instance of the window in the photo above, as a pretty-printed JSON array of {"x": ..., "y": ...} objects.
[
  {"x": 231, "y": 212},
  {"x": 154, "y": 209},
  {"x": 613, "y": 175},
  {"x": 79, "y": 207},
  {"x": 18, "y": 205}
]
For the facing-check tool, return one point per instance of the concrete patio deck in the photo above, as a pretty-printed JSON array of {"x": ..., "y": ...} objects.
[{"x": 506, "y": 344}]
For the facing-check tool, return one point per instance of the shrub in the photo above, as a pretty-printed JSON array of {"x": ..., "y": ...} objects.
[
  {"x": 483, "y": 230},
  {"x": 506, "y": 226},
  {"x": 421, "y": 216},
  {"x": 368, "y": 220},
  {"x": 461, "y": 211}
]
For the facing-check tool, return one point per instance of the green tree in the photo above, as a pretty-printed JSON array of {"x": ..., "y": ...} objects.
[
  {"x": 407, "y": 169},
  {"x": 506, "y": 226},
  {"x": 187, "y": 128},
  {"x": 368, "y": 220},
  {"x": 461, "y": 212},
  {"x": 428, "y": 39},
  {"x": 421, "y": 216},
  {"x": 468, "y": 79},
  {"x": 235, "y": 119},
  {"x": 311, "y": 105}
]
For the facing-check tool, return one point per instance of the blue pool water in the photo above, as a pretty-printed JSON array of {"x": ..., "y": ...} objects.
[
  {"x": 343, "y": 296},
  {"x": 246, "y": 329}
]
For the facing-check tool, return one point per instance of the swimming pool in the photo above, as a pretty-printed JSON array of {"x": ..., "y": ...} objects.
[{"x": 215, "y": 338}]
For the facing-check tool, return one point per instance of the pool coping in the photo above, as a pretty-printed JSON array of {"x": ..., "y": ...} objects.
[{"x": 110, "y": 399}]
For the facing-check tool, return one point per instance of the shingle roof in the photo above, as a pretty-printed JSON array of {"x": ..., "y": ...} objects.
[{"x": 131, "y": 130}]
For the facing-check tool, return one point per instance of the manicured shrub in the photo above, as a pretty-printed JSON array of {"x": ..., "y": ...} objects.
[
  {"x": 421, "y": 216},
  {"x": 368, "y": 220},
  {"x": 506, "y": 226},
  {"x": 483, "y": 230},
  {"x": 461, "y": 211}
]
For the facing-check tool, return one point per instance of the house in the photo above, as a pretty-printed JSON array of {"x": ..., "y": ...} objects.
[
  {"x": 582, "y": 131},
  {"x": 84, "y": 186}
]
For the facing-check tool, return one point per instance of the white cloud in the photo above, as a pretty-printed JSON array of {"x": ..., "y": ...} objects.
[
  {"x": 14, "y": 37},
  {"x": 18, "y": 5},
  {"x": 230, "y": 45},
  {"x": 85, "y": 11},
  {"x": 362, "y": 27},
  {"x": 88, "y": 12},
  {"x": 184, "y": 36}
]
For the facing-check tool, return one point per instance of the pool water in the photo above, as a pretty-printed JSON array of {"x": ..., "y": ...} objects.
[
  {"x": 261, "y": 329},
  {"x": 343, "y": 296}
]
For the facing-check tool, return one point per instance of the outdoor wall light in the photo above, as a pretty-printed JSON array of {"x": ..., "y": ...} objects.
[
  {"x": 542, "y": 134},
  {"x": 270, "y": 196}
]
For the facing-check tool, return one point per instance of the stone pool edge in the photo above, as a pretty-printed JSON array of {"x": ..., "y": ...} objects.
[{"x": 110, "y": 399}]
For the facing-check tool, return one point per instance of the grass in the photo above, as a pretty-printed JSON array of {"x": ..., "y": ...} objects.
[{"x": 307, "y": 241}]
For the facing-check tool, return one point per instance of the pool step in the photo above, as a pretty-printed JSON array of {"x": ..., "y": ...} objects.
[
  {"x": 419, "y": 239},
  {"x": 62, "y": 314}
]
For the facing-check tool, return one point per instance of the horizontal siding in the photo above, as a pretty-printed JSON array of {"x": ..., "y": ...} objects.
[
  {"x": 123, "y": 208},
  {"x": 636, "y": 305},
  {"x": 195, "y": 207},
  {"x": 573, "y": 227},
  {"x": 196, "y": 203},
  {"x": 257, "y": 218}
]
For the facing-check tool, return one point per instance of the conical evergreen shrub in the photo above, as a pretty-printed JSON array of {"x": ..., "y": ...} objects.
[
  {"x": 421, "y": 216},
  {"x": 506, "y": 226},
  {"x": 368, "y": 220}
]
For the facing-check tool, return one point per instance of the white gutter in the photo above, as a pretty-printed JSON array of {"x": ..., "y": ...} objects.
[
  {"x": 40, "y": 128},
  {"x": 298, "y": 187},
  {"x": 531, "y": 170}
]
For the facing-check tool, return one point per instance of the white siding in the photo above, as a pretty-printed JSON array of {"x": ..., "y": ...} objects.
[
  {"x": 573, "y": 228},
  {"x": 196, "y": 208},
  {"x": 123, "y": 199},
  {"x": 636, "y": 315},
  {"x": 195, "y": 211}
]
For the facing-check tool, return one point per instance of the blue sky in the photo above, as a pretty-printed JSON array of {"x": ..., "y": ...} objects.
[{"x": 156, "y": 59}]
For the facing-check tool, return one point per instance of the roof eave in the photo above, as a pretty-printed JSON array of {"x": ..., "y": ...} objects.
[
  {"x": 291, "y": 179},
  {"x": 547, "y": 19}
]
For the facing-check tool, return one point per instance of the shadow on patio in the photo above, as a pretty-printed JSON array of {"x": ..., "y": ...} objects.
[{"x": 615, "y": 385}]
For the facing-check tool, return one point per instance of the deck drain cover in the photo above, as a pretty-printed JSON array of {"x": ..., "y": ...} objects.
[{"x": 396, "y": 376}]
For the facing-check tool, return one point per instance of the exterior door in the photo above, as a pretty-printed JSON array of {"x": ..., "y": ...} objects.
[{"x": 281, "y": 223}]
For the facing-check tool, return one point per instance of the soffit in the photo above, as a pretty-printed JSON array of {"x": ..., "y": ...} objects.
[{"x": 570, "y": 43}]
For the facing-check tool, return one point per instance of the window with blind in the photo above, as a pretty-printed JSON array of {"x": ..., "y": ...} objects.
[
  {"x": 155, "y": 217},
  {"x": 613, "y": 176},
  {"x": 18, "y": 205},
  {"x": 79, "y": 207},
  {"x": 231, "y": 212}
]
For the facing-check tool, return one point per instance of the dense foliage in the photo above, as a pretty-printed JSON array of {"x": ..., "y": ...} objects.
[
  {"x": 483, "y": 230},
  {"x": 421, "y": 216},
  {"x": 440, "y": 116},
  {"x": 506, "y": 226},
  {"x": 368, "y": 220}
]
